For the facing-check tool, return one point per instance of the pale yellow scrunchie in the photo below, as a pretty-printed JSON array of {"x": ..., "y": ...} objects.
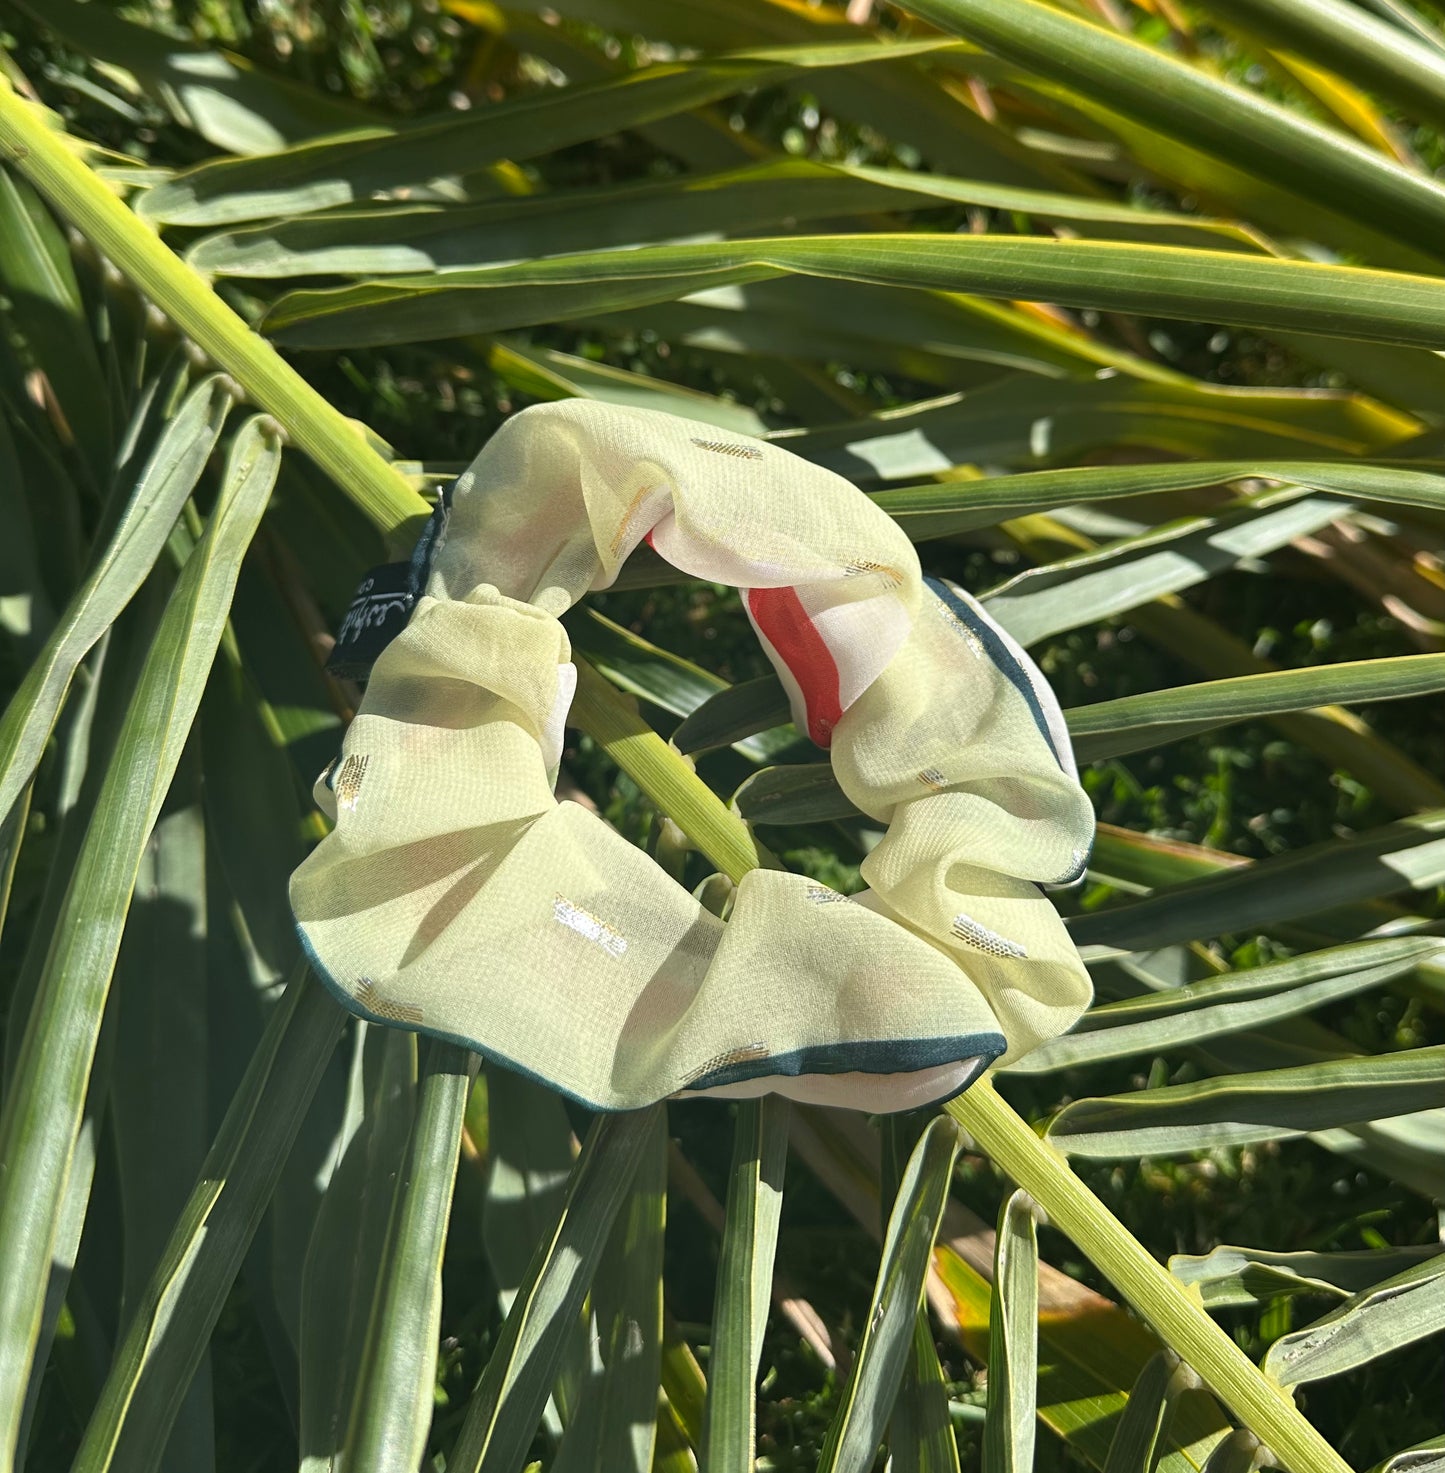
[{"x": 458, "y": 897}]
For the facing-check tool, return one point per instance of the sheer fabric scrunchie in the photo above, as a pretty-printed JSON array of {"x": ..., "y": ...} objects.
[{"x": 456, "y": 896}]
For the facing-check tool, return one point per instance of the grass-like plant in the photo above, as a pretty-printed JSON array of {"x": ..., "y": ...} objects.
[{"x": 837, "y": 228}]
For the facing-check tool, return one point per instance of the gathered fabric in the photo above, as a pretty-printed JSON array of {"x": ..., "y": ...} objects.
[{"x": 456, "y": 896}]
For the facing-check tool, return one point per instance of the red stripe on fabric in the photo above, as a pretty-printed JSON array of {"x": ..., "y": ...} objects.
[{"x": 780, "y": 614}]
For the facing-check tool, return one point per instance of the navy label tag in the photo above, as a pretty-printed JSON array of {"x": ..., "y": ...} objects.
[
  {"x": 382, "y": 605},
  {"x": 378, "y": 613}
]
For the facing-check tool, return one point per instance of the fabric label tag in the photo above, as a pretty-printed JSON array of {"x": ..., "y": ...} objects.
[
  {"x": 378, "y": 613},
  {"x": 384, "y": 601}
]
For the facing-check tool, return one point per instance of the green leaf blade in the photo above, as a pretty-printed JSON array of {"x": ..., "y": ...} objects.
[
  {"x": 1244, "y": 1108},
  {"x": 1227, "y": 122},
  {"x": 744, "y": 1283},
  {"x": 1227, "y": 1276},
  {"x": 1013, "y": 1357},
  {"x": 1164, "y": 281},
  {"x": 1137, "y": 1436},
  {"x": 614, "y": 1426},
  {"x": 172, "y": 1323},
  {"x": 392, "y": 1406},
  {"x": 867, "y": 1399},
  {"x": 1182, "y": 1017},
  {"x": 503, "y": 1413},
  {"x": 1371, "y": 1323},
  {"x": 160, "y": 491},
  {"x": 347, "y": 1251},
  {"x": 45, "y": 1098},
  {"x": 342, "y": 170}
]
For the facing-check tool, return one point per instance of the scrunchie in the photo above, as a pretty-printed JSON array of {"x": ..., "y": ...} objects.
[{"x": 456, "y": 896}]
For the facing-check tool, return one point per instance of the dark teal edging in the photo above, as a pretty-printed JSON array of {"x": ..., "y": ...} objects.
[
  {"x": 1016, "y": 675},
  {"x": 884, "y": 1056},
  {"x": 880, "y": 1056}
]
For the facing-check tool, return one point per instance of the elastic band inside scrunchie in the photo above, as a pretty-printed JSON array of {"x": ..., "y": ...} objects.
[{"x": 457, "y": 897}]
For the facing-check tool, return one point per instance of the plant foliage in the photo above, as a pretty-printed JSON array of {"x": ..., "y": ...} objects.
[{"x": 1131, "y": 313}]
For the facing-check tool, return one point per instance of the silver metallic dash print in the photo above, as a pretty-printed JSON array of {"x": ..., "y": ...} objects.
[
  {"x": 730, "y": 447},
  {"x": 587, "y": 925},
  {"x": 967, "y": 635},
  {"x": 822, "y": 895},
  {"x": 969, "y": 930}
]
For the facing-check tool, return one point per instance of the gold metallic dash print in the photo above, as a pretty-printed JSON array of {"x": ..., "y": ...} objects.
[
  {"x": 745, "y": 1054},
  {"x": 347, "y": 782},
  {"x": 624, "y": 526},
  {"x": 393, "y": 1012},
  {"x": 861, "y": 567},
  {"x": 730, "y": 447},
  {"x": 587, "y": 925},
  {"x": 969, "y": 930}
]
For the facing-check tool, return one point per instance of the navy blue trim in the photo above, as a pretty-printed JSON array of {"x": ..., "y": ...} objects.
[
  {"x": 964, "y": 1087},
  {"x": 1017, "y": 676},
  {"x": 880, "y": 1056},
  {"x": 426, "y": 544},
  {"x": 883, "y": 1057},
  {"x": 1001, "y": 655},
  {"x": 350, "y": 1003}
]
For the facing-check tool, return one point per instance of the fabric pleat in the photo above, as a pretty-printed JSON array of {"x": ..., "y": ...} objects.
[{"x": 456, "y": 896}]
